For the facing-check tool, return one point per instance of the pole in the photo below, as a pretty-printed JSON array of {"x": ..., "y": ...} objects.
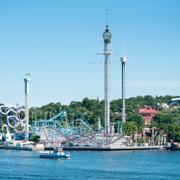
[
  {"x": 107, "y": 39},
  {"x": 123, "y": 62},
  {"x": 26, "y": 81},
  {"x": 106, "y": 88}
]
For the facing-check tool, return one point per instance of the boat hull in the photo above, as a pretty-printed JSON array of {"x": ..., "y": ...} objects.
[{"x": 54, "y": 156}]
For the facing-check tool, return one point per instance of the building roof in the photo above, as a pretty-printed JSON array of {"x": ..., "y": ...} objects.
[{"x": 146, "y": 110}]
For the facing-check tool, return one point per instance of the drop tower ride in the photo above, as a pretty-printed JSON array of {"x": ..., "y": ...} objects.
[{"x": 107, "y": 39}]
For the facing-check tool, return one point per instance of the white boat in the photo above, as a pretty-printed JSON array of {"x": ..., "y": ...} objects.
[{"x": 56, "y": 154}]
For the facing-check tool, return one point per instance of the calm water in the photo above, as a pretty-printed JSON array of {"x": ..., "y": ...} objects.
[{"x": 91, "y": 165}]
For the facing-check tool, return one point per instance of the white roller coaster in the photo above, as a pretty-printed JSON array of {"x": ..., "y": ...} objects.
[{"x": 15, "y": 117}]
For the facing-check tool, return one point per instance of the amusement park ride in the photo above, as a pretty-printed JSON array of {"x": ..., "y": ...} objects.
[
  {"x": 14, "y": 120},
  {"x": 57, "y": 131},
  {"x": 79, "y": 133}
]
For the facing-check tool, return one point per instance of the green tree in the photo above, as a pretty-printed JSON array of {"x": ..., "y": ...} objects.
[{"x": 129, "y": 128}]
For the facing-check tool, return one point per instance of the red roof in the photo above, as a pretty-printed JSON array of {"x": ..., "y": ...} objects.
[
  {"x": 148, "y": 113},
  {"x": 147, "y": 110}
]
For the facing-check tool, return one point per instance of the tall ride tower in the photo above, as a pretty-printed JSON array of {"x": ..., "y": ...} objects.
[
  {"x": 107, "y": 39},
  {"x": 123, "y": 62},
  {"x": 26, "y": 98}
]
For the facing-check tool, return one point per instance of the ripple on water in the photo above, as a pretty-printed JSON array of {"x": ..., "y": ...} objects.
[{"x": 91, "y": 165}]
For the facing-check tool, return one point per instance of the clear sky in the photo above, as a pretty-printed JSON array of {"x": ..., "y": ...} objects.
[{"x": 55, "y": 40}]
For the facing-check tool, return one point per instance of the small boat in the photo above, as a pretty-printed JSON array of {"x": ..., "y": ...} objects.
[
  {"x": 55, "y": 154},
  {"x": 174, "y": 146}
]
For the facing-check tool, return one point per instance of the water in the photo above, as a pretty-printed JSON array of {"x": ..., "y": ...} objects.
[{"x": 91, "y": 165}]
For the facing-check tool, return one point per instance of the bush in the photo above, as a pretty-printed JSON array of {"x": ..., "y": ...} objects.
[{"x": 34, "y": 138}]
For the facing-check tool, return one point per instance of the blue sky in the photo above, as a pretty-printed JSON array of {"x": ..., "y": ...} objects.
[{"x": 55, "y": 40}]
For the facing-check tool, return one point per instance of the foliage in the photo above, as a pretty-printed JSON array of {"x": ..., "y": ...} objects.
[
  {"x": 130, "y": 127},
  {"x": 140, "y": 141},
  {"x": 34, "y": 138},
  {"x": 92, "y": 109},
  {"x": 138, "y": 119},
  {"x": 169, "y": 121}
]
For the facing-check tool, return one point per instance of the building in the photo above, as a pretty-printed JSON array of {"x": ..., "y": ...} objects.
[
  {"x": 175, "y": 102},
  {"x": 148, "y": 114}
]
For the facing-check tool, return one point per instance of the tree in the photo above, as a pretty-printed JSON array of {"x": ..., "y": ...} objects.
[
  {"x": 92, "y": 109},
  {"x": 164, "y": 118},
  {"x": 137, "y": 118},
  {"x": 129, "y": 128},
  {"x": 34, "y": 138}
]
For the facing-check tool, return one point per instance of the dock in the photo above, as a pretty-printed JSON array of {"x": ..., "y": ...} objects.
[{"x": 125, "y": 148}]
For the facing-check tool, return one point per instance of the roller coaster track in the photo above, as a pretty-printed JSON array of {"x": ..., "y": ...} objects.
[
  {"x": 75, "y": 131},
  {"x": 54, "y": 126},
  {"x": 58, "y": 118},
  {"x": 111, "y": 142},
  {"x": 75, "y": 127},
  {"x": 13, "y": 116}
]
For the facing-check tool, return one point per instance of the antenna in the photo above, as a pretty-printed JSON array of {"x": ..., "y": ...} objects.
[
  {"x": 123, "y": 48},
  {"x": 107, "y": 15}
]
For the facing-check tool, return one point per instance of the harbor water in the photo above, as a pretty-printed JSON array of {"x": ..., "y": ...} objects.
[{"x": 91, "y": 165}]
